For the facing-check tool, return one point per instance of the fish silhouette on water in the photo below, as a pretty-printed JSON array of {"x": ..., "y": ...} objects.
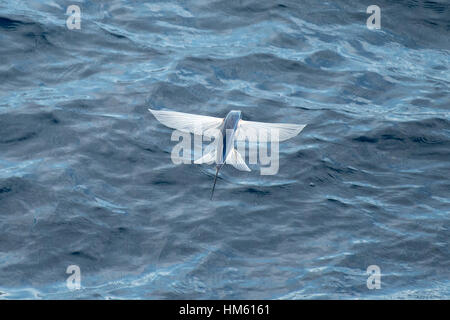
[{"x": 229, "y": 129}]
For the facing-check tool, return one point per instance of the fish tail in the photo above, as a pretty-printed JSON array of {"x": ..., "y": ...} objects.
[{"x": 215, "y": 179}]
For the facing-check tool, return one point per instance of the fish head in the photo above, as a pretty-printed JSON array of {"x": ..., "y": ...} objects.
[{"x": 233, "y": 118}]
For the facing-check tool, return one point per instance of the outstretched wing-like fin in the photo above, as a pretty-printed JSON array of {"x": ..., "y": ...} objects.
[
  {"x": 253, "y": 131},
  {"x": 187, "y": 122},
  {"x": 236, "y": 160}
]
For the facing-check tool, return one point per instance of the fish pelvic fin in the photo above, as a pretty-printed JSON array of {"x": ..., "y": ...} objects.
[{"x": 236, "y": 160}]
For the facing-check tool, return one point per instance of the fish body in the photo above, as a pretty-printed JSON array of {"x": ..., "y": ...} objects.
[
  {"x": 228, "y": 131},
  {"x": 226, "y": 143}
]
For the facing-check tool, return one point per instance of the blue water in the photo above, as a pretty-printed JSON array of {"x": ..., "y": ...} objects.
[{"x": 86, "y": 177}]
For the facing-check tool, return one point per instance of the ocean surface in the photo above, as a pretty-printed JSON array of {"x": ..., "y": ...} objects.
[{"x": 86, "y": 176}]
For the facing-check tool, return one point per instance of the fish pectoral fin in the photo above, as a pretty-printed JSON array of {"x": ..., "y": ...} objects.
[
  {"x": 207, "y": 158},
  {"x": 236, "y": 160},
  {"x": 253, "y": 131},
  {"x": 186, "y": 122}
]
